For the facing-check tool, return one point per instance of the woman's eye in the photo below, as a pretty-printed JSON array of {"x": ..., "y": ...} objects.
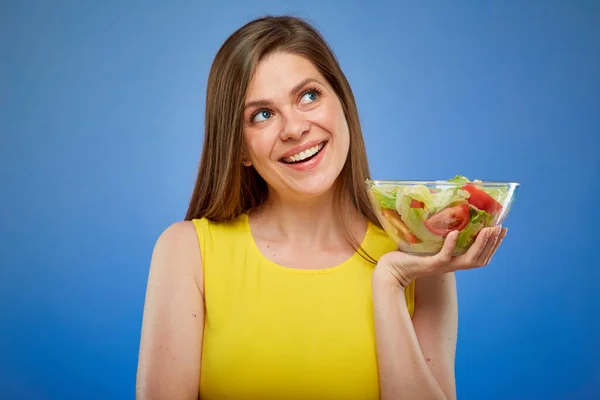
[
  {"x": 309, "y": 97},
  {"x": 261, "y": 116}
]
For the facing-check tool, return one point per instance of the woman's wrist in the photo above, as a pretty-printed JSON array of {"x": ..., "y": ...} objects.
[
  {"x": 385, "y": 276},
  {"x": 398, "y": 270}
]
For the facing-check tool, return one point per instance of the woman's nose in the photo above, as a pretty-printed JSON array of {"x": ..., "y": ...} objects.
[{"x": 295, "y": 125}]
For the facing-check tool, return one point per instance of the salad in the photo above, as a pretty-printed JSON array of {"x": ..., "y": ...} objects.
[{"x": 419, "y": 217}]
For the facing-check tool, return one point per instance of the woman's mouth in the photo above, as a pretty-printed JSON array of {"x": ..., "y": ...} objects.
[{"x": 304, "y": 156}]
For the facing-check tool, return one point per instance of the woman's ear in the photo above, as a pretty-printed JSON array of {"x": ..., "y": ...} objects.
[{"x": 245, "y": 161}]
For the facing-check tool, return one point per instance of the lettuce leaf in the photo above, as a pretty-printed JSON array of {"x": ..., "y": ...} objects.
[
  {"x": 414, "y": 218},
  {"x": 477, "y": 221},
  {"x": 433, "y": 202},
  {"x": 447, "y": 197},
  {"x": 385, "y": 197},
  {"x": 498, "y": 193},
  {"x": 459, "y": 179}
]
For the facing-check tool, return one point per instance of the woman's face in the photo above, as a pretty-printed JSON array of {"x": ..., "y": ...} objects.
[{"x": 295, "y": 131}]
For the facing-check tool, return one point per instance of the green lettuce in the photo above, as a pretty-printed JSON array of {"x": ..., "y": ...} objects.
[
  {"x": 417, "y": 192},
  {"x": 459, "y": 179},
  {"x": 447, "y": 197},
  {"x": 415, "y": 217},
  {"x": 433, "y": 202},
  {"x": 498, "y": 193},
  {"x": 477, "y": 221},
  {"x": 385, "y": 197}
]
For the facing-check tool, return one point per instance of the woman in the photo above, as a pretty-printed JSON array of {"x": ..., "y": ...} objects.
[{"x": 280, "y": 283}]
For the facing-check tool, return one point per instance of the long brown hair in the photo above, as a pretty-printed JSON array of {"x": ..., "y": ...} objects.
[{"x": 225, "y": 188}]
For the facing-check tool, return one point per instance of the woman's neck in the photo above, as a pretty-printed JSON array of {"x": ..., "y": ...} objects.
[{"x": 309, "y": 223}]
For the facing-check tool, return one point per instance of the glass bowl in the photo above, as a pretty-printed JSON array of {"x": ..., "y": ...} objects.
[{"x": 418, "y": 215}]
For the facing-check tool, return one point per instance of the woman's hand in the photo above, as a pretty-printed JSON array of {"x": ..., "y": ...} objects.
[{"x": 400, "y": 268}]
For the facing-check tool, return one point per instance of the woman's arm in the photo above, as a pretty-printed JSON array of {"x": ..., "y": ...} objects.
[
  {"x": 173, "y": 323},
  {"x": 416, "y": 358}
]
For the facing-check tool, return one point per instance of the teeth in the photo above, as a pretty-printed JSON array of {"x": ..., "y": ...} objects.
[{"x": 304, "y": 154}]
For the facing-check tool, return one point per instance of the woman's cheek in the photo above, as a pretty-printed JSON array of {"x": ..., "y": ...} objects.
[
  {"x": 260, "y": 149},
  {"x": 327, "y": 117}
]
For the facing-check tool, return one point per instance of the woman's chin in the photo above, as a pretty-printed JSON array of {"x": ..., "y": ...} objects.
[
  {"x": 311, "y": 185},
  {"x": 309, "y": 189}
]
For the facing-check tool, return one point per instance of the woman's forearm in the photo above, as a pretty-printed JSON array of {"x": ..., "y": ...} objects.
[{"x": 403, "y": 371}]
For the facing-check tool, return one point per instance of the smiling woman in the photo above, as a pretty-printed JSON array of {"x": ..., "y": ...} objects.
[
  {"x": 298, "y": 138},
  {"x": 280, "y": 282}
]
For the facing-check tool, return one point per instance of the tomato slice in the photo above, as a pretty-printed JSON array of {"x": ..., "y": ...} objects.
[
  {"x": 396, "y": 221},
  {"x": 448, "y": 220},
  {"x": 416, "y": 204},
  {"x": 482, "y": 200}
]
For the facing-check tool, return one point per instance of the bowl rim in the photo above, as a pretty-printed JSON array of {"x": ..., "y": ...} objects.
[{"x": 439, "y": 182}]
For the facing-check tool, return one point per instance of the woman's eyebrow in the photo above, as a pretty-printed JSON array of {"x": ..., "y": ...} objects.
[{"x": 295, "y": 90}]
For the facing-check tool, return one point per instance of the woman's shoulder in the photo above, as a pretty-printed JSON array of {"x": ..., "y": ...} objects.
[
  {"x": 181, "y": 248},
  {"x": 176, "y": 255},
  {"x": 379, "y": 240},
  {"x": 191, "y": 237},
  {"x": 178, "y": 239},
  {"x": 207, "y": 227},
  {"x": 176, "y": 233},
  {"x": 186, "y": 236}
]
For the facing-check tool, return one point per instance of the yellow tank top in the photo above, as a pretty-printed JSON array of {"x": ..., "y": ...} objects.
[{"x": 273, "y": 332}]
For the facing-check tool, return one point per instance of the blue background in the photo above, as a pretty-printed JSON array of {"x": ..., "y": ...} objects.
[{"x": 101, "y": 120}]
